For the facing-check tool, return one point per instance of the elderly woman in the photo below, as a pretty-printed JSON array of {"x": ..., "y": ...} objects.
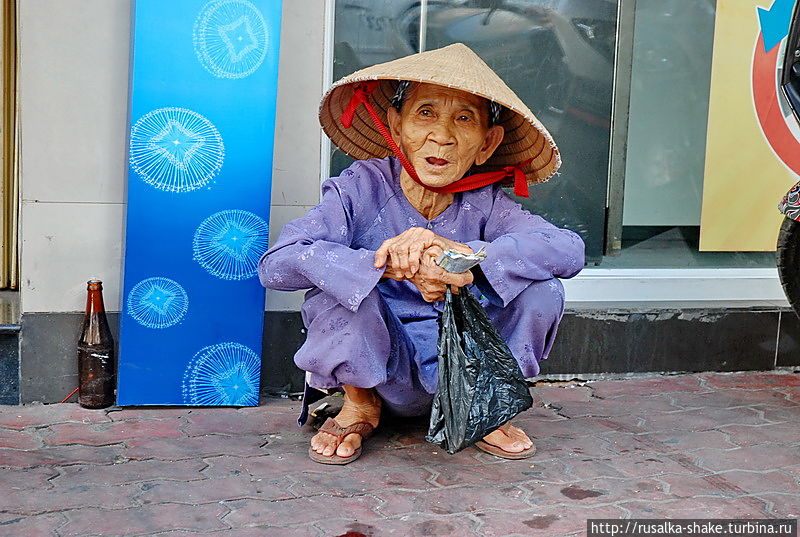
[{"x": 368, "y": 251}]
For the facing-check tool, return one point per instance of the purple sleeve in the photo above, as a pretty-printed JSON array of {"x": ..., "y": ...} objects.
[
  {"x": 522, "y": 247},
  {"x": 314, "y": 251}
]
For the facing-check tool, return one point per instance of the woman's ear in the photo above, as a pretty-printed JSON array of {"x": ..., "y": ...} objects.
[
  {"x": 393, "y": 116},
  {"x": 490, "y": 142}
]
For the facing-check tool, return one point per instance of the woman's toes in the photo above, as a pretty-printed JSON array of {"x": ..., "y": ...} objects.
[
  {"x": 349, "y": 445},
  {"x": 323, "y": 444},
  {"x": 503, "y": 441},
  {"x": 519, "y": 436},
  {"x": 526, "y": 442},
  {"x": 522, "y": 439}
]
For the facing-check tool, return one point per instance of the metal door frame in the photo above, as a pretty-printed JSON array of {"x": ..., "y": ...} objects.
[
  {"x": 9, "y": 185},
  {"x": 620, "y": 107}
]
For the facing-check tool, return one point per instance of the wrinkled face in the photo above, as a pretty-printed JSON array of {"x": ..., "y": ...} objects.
[{"x": 443, "y": 132}]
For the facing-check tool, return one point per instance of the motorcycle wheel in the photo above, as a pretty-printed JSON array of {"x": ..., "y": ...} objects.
[{"x": 788, "y": 259}]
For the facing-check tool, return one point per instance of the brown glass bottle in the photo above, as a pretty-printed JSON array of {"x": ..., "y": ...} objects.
[{"x": 97, "y": 364}]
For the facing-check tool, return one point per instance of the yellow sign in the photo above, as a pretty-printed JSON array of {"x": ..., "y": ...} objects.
[{"x": 753, "y": 142}]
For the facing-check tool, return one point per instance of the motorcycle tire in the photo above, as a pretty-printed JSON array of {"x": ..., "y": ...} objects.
[{"x": 788, "y": 260}]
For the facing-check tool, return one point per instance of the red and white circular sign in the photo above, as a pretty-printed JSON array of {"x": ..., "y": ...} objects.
[{"x": 777, "y": 123}]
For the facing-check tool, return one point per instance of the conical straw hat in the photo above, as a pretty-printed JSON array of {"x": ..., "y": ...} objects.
[{"x": 454, "y": 66}]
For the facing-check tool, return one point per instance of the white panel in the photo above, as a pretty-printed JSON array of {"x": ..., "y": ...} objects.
[
  {"x": 284, "y": 301},
  {"x": 298, "y": 135},
  {"x": 279, "y": 216},
  {"x": 73, "y": 93},
  {"x": 735, "y": 287},
  {"x": 296, "y": 167},
  {"x": 64, "y": 245}
]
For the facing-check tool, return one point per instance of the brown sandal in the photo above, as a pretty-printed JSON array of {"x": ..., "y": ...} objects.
[{"x": 332, "y": 427}]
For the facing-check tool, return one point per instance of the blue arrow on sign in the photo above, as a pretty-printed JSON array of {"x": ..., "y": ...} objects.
[{"x": 775, "y": 22}]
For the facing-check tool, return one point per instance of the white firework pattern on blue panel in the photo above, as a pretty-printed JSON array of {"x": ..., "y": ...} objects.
[
  {"x": 230, "y": 38},
  {"x": 222, "y": 374},
  {"x": 176, "y": 150},
  {"x": 157, "y": 302},
  {"x": 228, "y": 244}
]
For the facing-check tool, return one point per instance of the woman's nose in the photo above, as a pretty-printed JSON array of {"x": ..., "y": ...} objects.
[{"x": 441, "y": 133}]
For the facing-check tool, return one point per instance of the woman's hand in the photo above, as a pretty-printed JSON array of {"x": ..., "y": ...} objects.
[
  {"x": 432, "y": 280},
  {"x": 402, "y": 254},
  {"x": 404, "y": 251},
  {"x": 392, "y": 272}
]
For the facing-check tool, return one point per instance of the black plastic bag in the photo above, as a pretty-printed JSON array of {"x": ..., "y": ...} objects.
[{"x": 481, "y": 386}]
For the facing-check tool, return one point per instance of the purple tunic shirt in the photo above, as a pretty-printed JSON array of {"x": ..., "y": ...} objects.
[
  {"x": 333, "y": 246},
  {"x": 352, "y": 340}
]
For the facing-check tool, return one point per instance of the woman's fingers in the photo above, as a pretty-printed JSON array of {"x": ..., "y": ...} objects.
[
  {"x": 405, "y": 251},
  {"x": 430, "y": 290},
  {"x": 433, "y": 297},
  {"x": 437, "y": 279},
  {"x": 393, "y": 274},
  {"x": 456, "y": 279},
  {"x": 409, "y": 248},
  {"x": 436, "y": 291},
  {"x": 400, "y": 255},
  {"x": 430, "y": 255},
  {"x": 448, "y": 244},
  {"x": 396, "y": 255},
  {"x": 382, "y": 253},
  {"x": 418, "y": 247},
  {"x": 415, "y": 256}
]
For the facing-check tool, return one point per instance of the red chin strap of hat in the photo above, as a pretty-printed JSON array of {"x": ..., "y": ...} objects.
[{"x": 515, "y": 172}]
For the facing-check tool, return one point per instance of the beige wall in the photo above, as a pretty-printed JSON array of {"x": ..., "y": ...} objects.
[{"x": 73, "y": 95}]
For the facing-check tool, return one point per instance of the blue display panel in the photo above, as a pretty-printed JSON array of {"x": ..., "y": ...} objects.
[{"x": 202, "y": 117}]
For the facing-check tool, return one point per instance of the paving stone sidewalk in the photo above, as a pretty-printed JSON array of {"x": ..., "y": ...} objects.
[{"x": 709, "y": 445}]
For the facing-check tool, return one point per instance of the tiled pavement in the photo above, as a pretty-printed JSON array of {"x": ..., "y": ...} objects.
[{"x": 710, "y": 445}]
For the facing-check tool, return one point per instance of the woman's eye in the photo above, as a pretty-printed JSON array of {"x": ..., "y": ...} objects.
[
  {"x": 463, "y": 118},
  {"x": 425, "y": 112}
]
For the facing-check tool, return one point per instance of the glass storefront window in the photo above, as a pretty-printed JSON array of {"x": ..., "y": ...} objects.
[
  {"x": 665, "y": 159},
  {"x": 367, "y": 32},
  {"x": 560, "y": 57}
]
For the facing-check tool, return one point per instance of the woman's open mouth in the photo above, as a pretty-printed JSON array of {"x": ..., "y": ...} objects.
[{"x": 438, "y": 162}]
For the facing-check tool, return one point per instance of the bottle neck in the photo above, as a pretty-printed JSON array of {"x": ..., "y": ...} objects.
[
  {"x": 94, "y": 299},
  {"x": 95, "y": 329}
]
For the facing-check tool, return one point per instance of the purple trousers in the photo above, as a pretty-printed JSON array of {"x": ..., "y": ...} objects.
[{"x": 373, "y": 348}]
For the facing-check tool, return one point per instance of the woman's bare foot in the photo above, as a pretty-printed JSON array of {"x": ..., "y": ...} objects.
[
  {"x": 509, "y": 438},
  {"x": 360, "y": 404}
]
